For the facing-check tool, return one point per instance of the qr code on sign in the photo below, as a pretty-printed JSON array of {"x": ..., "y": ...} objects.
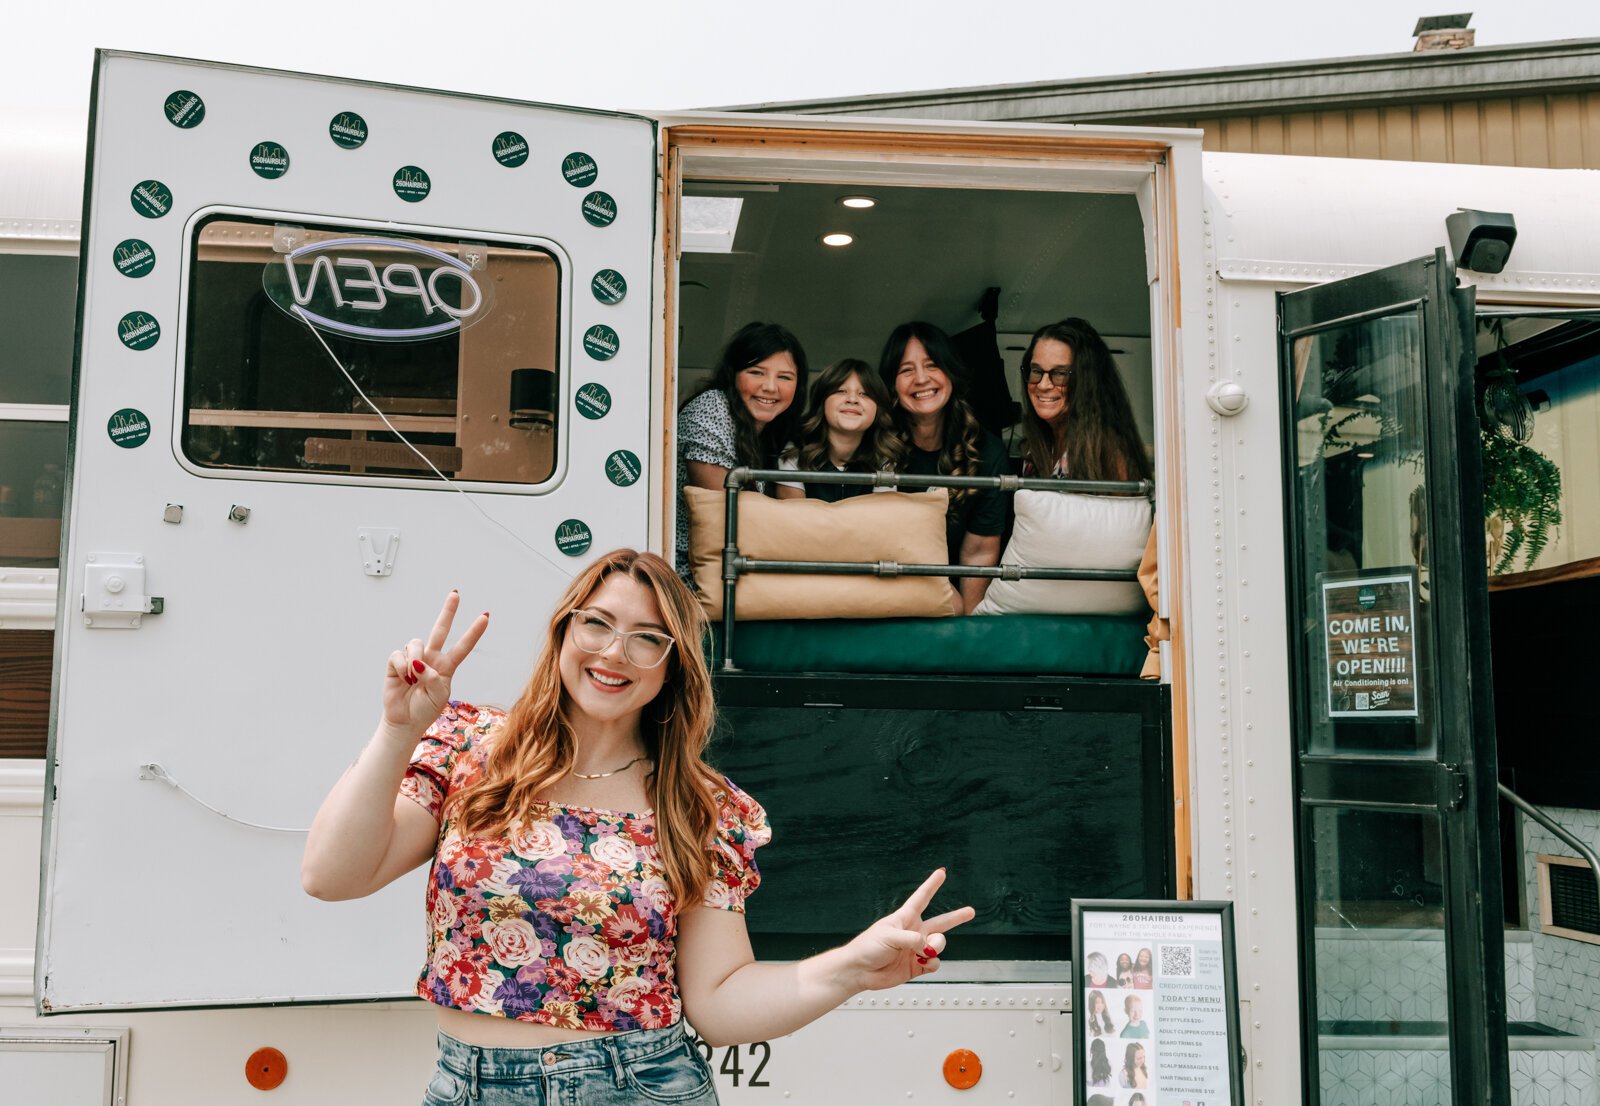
[{"x": 1177, "y": 961}]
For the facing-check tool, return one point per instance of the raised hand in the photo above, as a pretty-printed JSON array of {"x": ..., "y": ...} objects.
[
  {"x": 416, "y": 685},
  {"x": 905, "y": 945}
]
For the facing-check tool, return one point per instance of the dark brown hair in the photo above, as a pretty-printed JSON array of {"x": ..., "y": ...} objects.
[
  {"x": 882, "y": 449},
  {"x": 1097, "y": 434},
  {"x": 759, "y": 446},
  {"x": 960, "y": 434}
]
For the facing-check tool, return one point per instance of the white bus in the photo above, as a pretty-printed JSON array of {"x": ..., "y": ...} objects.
[{"x": 518, "y": 297}]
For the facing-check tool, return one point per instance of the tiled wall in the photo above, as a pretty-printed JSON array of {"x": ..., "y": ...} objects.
[
  {"x": 1567, "y": 971},
  {"x": 1421, "y": 1077},
  {"x": 1382, "y": 975}
]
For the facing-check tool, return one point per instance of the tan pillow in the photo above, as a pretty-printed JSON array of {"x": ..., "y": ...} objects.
[{"x": 907, "y": 527}]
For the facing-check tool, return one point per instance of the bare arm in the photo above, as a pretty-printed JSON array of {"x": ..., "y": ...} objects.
[
  {"x": 787, "y": 492},
  {"x": 705, "y": 475},
  {"x": 366, "y": 834},
  {"x": 977, "y": 549},
  {"x": 730, "y": 998}
]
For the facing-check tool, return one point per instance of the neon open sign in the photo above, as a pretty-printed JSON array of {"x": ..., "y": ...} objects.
[{"x": 379, "y": 289}]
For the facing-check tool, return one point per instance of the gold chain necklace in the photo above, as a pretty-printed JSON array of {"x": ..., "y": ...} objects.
[{"x": 614, "y": 771}]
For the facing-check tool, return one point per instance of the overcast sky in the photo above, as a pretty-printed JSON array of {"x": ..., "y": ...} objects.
[{"x": 661, "y": 54}]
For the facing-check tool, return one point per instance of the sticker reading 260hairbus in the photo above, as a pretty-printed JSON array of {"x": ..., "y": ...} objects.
[
  {"x": 138, "y": 330},
  {"x": 348, "y": 130},
  {"x": 151, "y": 198},
  {"x": 600, "y": 342},
  {"x": 510, "y": 149},
  {"x": 134, "y": 257},
  {"x": 623, "y": 468},
  {"x": 608, "y": 286},
  {"x": 128, "y": 428},
  {"x": 184, "y": 109},
  {"x": 593, "y": 401},
  {"x": 579, "y": 169},
  {"x": 269, "y": 160},
  {"x": 600, "y": 209},
  {"x": 411, "y": 184},
  {"x": 573, "y": 537}
]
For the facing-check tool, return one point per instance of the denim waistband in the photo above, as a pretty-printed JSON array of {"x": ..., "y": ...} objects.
[{"x": 607, "y": 1050}]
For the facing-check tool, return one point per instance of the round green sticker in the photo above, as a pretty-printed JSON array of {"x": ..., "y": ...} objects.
[
  {"x": 347, "y": 129},
  {"x": 579, "y": 170},
  {"x": 593, "y": 401},
  {"x": 138, "y": 330},
  {"x": 412, "y": 184},
  {"x": 573, "y": 537},
  {"x": 600, "y": 342},
  {"x": 600, "y": 209},
  {"x": 609, "y": 286},
  {"x": 623, "y": 468},
  {"x": 152, "y": 199},
  {"x": 269, "y": 159},
  {"x": 184, "y": 109},
  {"x": 510, "y": 149},
  {"x": 134, "y": 257},
  {"x": 129, "y": 428}
]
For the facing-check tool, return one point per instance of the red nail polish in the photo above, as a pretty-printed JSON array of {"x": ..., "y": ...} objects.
[
  {"x": 418, "y": 667},
  {"x": 410, "y": 679},
  {"x": 485, "y": 614},
  {"x": 929, "y": 952}
]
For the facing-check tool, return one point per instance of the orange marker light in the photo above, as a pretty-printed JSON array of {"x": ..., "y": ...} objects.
[
  {"x": 267, "y": 1068},
  {"x": 963, "y": 1069}
]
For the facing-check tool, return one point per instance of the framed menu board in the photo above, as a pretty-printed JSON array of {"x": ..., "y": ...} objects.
[{"x": 1155, "y": 1004}]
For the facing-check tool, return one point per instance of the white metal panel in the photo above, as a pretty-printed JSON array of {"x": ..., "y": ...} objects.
[{"x": 258, "y": 682}]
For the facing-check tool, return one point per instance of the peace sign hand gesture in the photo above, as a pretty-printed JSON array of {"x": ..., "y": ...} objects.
[
  {"x": 904, "y": 945},
  {"x": 416, "y": 685}
]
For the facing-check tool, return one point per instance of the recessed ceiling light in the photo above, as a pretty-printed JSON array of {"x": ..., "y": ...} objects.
[
  {"x": 837, "y": 239},
  {"x": 859, "y": 201}
]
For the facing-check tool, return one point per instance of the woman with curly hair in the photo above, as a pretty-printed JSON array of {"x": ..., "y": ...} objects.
[
  {"x": 1077, "y": 421},
  {"x": 921, "y": 367},
  {"x": 589, "y": 868},
  {"x": 847, "y": 428}
]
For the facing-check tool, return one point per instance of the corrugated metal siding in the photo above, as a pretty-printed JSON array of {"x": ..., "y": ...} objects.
[{"x": 1556, "y": 131}]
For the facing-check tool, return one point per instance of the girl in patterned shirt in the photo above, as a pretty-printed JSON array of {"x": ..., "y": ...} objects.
[{"x": 589, "y": 869}]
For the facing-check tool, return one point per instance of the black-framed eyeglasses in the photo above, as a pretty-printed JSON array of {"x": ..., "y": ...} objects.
[
  {"x": 1058, "y": 377},
  {"x": 643, "y": 648}
]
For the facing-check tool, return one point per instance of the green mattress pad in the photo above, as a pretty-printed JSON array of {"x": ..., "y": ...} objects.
[{"x": 1007, "y": 644}]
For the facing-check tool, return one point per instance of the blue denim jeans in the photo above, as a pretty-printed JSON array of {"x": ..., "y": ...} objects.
[{"x": 618, "y": 1069}]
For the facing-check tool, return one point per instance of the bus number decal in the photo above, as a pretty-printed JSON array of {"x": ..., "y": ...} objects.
[{"x": 732, "y": 1066}]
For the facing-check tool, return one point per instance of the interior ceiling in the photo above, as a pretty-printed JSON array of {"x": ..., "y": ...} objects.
[{"x": 921, "y": 253}]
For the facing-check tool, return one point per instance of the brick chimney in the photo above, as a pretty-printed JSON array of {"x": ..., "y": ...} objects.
[{"x": 1443, "y": 32}]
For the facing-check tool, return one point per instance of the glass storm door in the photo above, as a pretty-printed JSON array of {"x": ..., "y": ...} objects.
[{"x": 1401, "y": 930}]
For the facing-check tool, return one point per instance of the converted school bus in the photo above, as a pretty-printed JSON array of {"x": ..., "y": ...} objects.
[{"x": 1303, "y": 360}]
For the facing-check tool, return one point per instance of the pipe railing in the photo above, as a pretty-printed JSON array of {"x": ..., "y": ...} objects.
[
  {"x": 735, "y": 564},
  {"x": 1556, "y": 829}
]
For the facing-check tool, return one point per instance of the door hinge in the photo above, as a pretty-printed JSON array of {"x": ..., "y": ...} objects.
[{"x": 1453, "y": 787}]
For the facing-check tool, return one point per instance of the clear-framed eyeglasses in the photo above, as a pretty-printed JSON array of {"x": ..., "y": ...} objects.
[
  {"x": 643, "y": 648},
  {"x": 1058, "y": 377}
]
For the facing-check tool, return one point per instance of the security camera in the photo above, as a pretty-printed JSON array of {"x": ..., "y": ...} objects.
[{"x": 1481, "y": 240}]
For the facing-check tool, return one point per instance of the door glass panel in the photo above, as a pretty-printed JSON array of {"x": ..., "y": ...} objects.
[
  {"x": 38, "y": 299},
  {"x": 33, "y": 461},
  {"x": 1364, "y": 561},
  {"x": 1381, "y": 967}
]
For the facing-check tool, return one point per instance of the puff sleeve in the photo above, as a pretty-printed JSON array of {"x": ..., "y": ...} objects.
[
  {"x": 741, "y": 829},
  {"x": 435, "y": 761}
]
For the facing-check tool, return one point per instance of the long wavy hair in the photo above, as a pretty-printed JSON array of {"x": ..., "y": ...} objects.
[
  {"x": 960, "y": 433},
  {"x": 1131, "y": 1064},
  {"x": 759, "y": 446},
  {"x": 1099, "y": 1063},
  {"x": 1097, "y": 434},
  {"x": 882, "y": 449},
  {"x": 1100, "y": 1023},
  {"x": 536, "y": 748}
]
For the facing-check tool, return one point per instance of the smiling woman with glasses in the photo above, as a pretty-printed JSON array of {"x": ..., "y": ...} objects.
[
  {"x": 590, "y": 869},
  {"x": 1077, "y": 420}
]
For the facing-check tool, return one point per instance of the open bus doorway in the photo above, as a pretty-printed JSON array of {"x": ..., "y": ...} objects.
[{"x": 872, "y": 771}]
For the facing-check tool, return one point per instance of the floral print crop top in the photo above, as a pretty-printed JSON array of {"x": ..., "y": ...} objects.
[{"x": 567, "y": 920}]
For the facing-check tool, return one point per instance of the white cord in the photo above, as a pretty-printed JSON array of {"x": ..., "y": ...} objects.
[
  {"x": 156, "y": 772},
  {"x": 317, "y": 334}
]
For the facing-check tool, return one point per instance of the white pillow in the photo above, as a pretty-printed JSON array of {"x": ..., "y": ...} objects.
[{"x": 1067, "y": 530}]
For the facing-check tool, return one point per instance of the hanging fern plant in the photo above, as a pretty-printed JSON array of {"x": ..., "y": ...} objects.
[{"x": 1523, "y": 488}]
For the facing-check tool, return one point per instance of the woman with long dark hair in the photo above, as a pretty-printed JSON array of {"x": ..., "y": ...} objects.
[
  {"x": 589, "y": 868},
  {"x": 746, "y": 415},
  {"x": 1100, "y": 1023},
  {"x": 1134, "y": 1071},
  {"x": 847, "y": 428},
  {"x": 1099, "y": 1064},
  {"x": 1077, "y": 421},
  {"x": 921, "y": 367}
]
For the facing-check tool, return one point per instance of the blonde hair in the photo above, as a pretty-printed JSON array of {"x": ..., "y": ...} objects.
[{"x": 536, "y": 748}]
